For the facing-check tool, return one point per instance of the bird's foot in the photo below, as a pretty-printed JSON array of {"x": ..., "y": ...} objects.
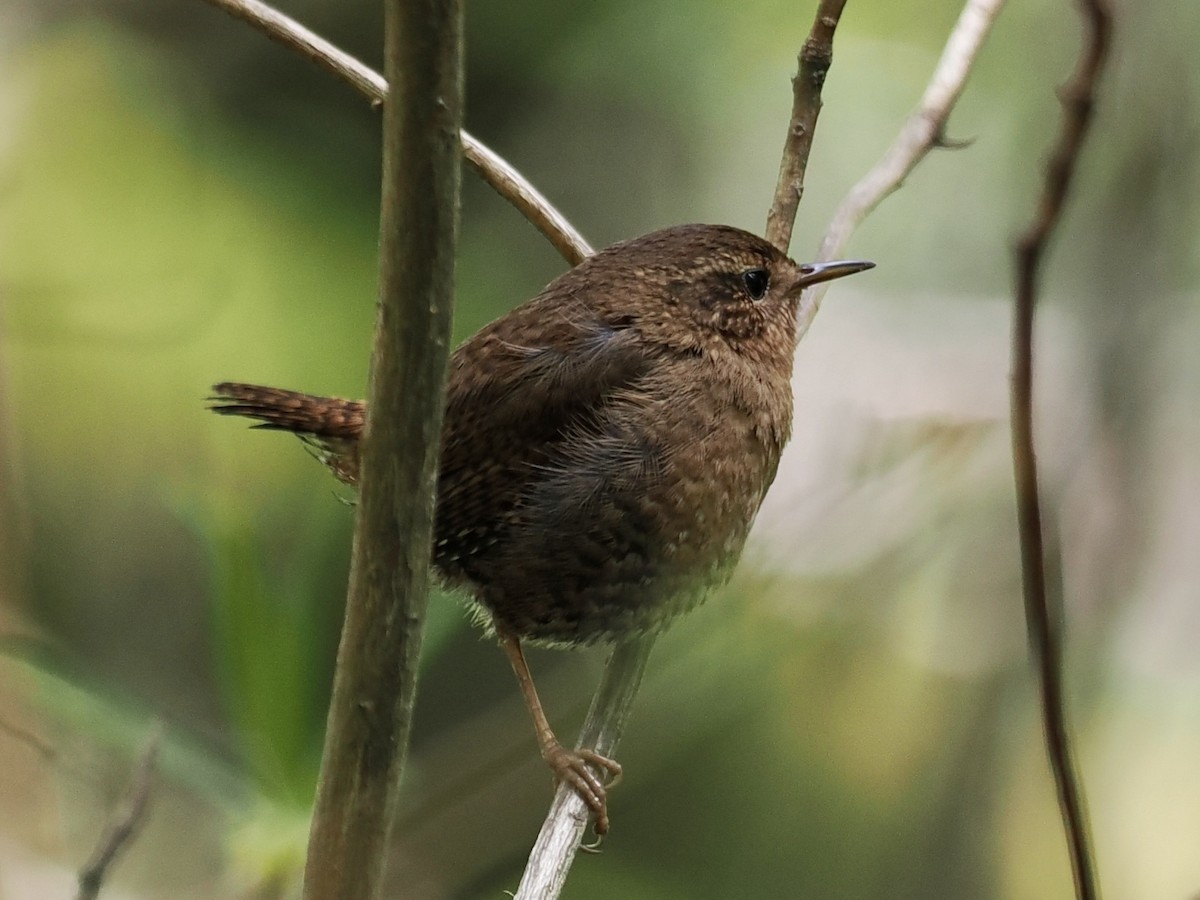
[{"x": 590, "y": 775}]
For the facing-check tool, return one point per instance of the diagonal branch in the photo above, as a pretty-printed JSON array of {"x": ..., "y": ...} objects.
[
  {"x": 506, "y": 180},
  {"x": 923, "y": 131},
  {"x": 124, "y": 825},
  {"x": 1044, "y": 631},
  {"x": 816, "y": 56},
  {"x": 552, "y": 854}
]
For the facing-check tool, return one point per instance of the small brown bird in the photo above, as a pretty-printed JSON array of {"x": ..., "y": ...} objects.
[{"x": 605, "y": 448}]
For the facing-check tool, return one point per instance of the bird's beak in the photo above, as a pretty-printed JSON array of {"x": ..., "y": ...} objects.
[{"x": 815, "y": 273}]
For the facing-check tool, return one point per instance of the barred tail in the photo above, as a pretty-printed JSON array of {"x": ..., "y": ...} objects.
[{"x": 331, "y": 426}]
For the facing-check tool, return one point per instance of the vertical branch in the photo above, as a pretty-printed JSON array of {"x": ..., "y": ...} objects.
[
  {"x": 1044, "y": 633},
  {"x": 370, "y": 713},
  {"x": 816, "y": 56}
]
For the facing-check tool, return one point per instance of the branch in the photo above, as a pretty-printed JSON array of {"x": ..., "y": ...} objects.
[
  {"x": 1044, "y": 632},
  {"x": 554, "y": 851},
  {"x": 815, "y": 58},
  {"x": 122, "y": 827},
  {"x": 923, "y": 131},
  {"x": 31, "y": 740},
  {"x": 370, "y": 714},
  {"x": 506, "y": 180}
]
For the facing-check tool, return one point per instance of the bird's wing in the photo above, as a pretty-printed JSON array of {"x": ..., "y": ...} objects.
[
  {"x": 504, "y": 377},
  {"x": 511, "y": 403}
]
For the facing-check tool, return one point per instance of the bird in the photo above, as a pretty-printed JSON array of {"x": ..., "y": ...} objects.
[{"x": 605, "y": 446}]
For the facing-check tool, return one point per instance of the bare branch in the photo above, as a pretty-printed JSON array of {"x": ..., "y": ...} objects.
[
  {"x": 513, "y": 187},
  {"x": 506, "y": 180},
  {"x": 815, "y": 58},
  {"x": 921, "y": 133},
  {"x": 1044, "y": 632},
  {"x": 552, "y": 854},
  {"x": 370, "y": 713},
  {"x": 124, "y": 825},
  {"x": 43, "y": 749}
]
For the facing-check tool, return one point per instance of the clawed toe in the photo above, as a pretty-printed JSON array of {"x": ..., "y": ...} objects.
[
  {"x": 578, "y": 768},
  {"x": 610, "y": 766},
  {"x": 588, "y": 773}
]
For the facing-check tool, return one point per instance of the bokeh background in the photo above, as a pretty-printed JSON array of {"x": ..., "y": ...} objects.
[{"x": 182, "y": 202}]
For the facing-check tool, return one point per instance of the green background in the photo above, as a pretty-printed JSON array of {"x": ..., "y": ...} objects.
[{"x": 183, "y": 202}]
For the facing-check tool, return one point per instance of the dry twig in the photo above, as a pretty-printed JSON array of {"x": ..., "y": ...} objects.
[
  {"x": 923, "y": 131},
  {"x": 1044, "y": 632},
  {"x": 124, "y": 825},
  {"x": 815, "y": 58},
  {"x": 31, "y": 740},
  {"x": 506, "y": 180}
]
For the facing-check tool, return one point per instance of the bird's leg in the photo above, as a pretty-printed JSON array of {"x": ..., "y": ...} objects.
[{"x": 572, "y": 766}]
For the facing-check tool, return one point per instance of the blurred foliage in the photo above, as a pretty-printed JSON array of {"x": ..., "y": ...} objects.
[{"x": 183, "y": 202}]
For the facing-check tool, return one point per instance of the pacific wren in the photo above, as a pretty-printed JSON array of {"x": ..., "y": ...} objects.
[{"x": 606, "y": 445}]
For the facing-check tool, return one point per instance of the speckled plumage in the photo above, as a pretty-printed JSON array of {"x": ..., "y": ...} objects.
[
  {"x": 607, "y": 444},
  {"x": 605, "y": 448}
]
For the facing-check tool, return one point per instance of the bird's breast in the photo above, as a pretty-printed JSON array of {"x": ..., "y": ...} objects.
[{"x": 629, "y": 516}]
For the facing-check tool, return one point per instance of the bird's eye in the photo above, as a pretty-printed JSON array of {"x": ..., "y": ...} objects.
[{"x": 756, "y": 281}]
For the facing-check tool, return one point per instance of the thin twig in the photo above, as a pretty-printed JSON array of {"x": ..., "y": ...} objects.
[
  {"x": 1044, "y": 630},
  {"x": 374, "y": 686},
  {"x": 924, "y": 130},
  {"x": 815, "y": 58},
  {"x": 514, "y": 188},
  {"x": 124, "y": 825},
  {"x": 552, "y": 854},
  {"x": 44, "y": 749},
  {"x": 506, "y": 180}
]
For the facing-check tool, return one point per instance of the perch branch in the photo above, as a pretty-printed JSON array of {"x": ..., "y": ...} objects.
[
  {"x": 552, "y": 854},
  {"x": 124, "y": 824},
  {"x": 374, "y": 687},
  {"x": 923, "y": 131},
  {"x": 506, "y": 180},
  {"x": 816, "y": 56},
  {"x": 1044, "y": 631}
]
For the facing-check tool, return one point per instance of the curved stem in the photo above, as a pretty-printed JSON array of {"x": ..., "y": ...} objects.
[
  {"x": 507, "y": 181},
  {"x": 1043, "y": 629},
  {"x": 923, "y": 131}
]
